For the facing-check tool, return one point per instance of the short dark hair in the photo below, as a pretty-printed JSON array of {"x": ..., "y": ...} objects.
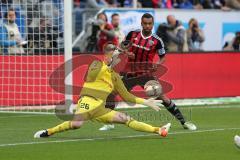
[
  {"x": 102, "y": 13},
  {"x": 114, "y": 14},
  {"x": 10, "y": 9},
  {"x": 147, "y": 15}
]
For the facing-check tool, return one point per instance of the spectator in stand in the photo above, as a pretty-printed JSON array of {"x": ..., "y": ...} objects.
[
  {"x": 11, "y": 40},
  {"x": 49, "y": 9},
  {"x": 233, "y": 45},
  {"x": 146, "y": 4},
  {"x": 112, "y": 3},
  {"x": 177, "y": 37},
  {"x": 195, "y": 36},
  {"x": 234, "y": 4},
  {"x": 182, "y": 4},
  {"x": 125, "y": 3},
  {"x": 41, "y": 38},
  {"x": 162, "y": 4},
  {"x": 197, "y": 4},
  {"x": 116, "y": 27},
  {"x": 98, "y": 4},
  {"x": 207, "y": 4},
  {"x": 106, "y": 32},
  {"x": 215, "y": 4}
]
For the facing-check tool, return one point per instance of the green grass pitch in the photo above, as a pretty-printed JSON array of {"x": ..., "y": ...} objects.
[{"x": 217, "y": 126}]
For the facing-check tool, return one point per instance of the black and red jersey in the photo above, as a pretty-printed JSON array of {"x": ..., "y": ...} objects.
[{"x": 145, "y": 48}]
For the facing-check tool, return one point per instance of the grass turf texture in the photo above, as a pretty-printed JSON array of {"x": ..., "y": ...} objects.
[{"x": 213, "y": 140}]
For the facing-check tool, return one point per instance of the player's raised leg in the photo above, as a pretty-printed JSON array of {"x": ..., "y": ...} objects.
[
  {"x": 144, "y": 127},
  {"x": 122, "y": 118},
  {"x": 173, "y": 109},
  {"x": 67, "y": 125}
]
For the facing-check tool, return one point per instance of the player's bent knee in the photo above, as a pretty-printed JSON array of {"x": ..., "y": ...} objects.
[
  {"x": 76, "y": 124},
  {"x": 121, "y": 118}
]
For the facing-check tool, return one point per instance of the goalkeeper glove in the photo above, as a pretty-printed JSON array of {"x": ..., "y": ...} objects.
[{"x": 152, "y": 103}]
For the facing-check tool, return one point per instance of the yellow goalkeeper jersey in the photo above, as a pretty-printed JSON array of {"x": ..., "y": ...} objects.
[{"x": 102, "y": 81}]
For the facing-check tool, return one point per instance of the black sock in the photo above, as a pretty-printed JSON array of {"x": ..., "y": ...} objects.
[{"x": 172, "y": 108}]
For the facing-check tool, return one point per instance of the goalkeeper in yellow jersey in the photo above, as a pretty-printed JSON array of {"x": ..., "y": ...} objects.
[{"x": 102, "y": 80}]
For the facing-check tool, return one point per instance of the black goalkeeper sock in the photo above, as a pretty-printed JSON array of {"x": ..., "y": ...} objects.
[{"x": 172, "y": 108}]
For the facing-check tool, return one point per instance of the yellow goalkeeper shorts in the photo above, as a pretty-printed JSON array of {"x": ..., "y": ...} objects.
[{"x": 90, "y": 108}]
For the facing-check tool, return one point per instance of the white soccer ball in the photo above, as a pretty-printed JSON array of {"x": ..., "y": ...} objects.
[
  {"x": 237, "y": 141},
  {"x": 153, "y": 89}
]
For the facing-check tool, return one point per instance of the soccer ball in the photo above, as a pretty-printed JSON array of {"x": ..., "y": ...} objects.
[
  {"x": 237, "y": 141},
  {"x": 153, "y": 89}
]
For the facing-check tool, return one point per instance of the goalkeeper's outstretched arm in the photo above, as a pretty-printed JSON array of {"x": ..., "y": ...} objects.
[{"x": 128, "y": 97}]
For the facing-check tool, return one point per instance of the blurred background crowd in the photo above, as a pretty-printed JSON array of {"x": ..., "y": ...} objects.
[{"x": 36, "y": 26}]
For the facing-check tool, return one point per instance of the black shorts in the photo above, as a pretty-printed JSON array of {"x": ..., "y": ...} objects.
[{"x": 130, "y": 81}]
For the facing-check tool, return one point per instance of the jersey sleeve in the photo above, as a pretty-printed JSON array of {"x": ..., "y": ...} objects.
[
  {"x": 123, "y": 92},
  {"x": 93, "y": 71},
  {"x": 160, "y": 47},
  {"x": 129, "y": 35}
]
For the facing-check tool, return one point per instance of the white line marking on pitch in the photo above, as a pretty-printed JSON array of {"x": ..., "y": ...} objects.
[
  {"x": 20, "y": 116},
  {"x": 24, "y": 112},
  {"x": 121, "y": 137},
  {"x": 131, "y": 109},
  {"x": 182, "y": 108}
]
